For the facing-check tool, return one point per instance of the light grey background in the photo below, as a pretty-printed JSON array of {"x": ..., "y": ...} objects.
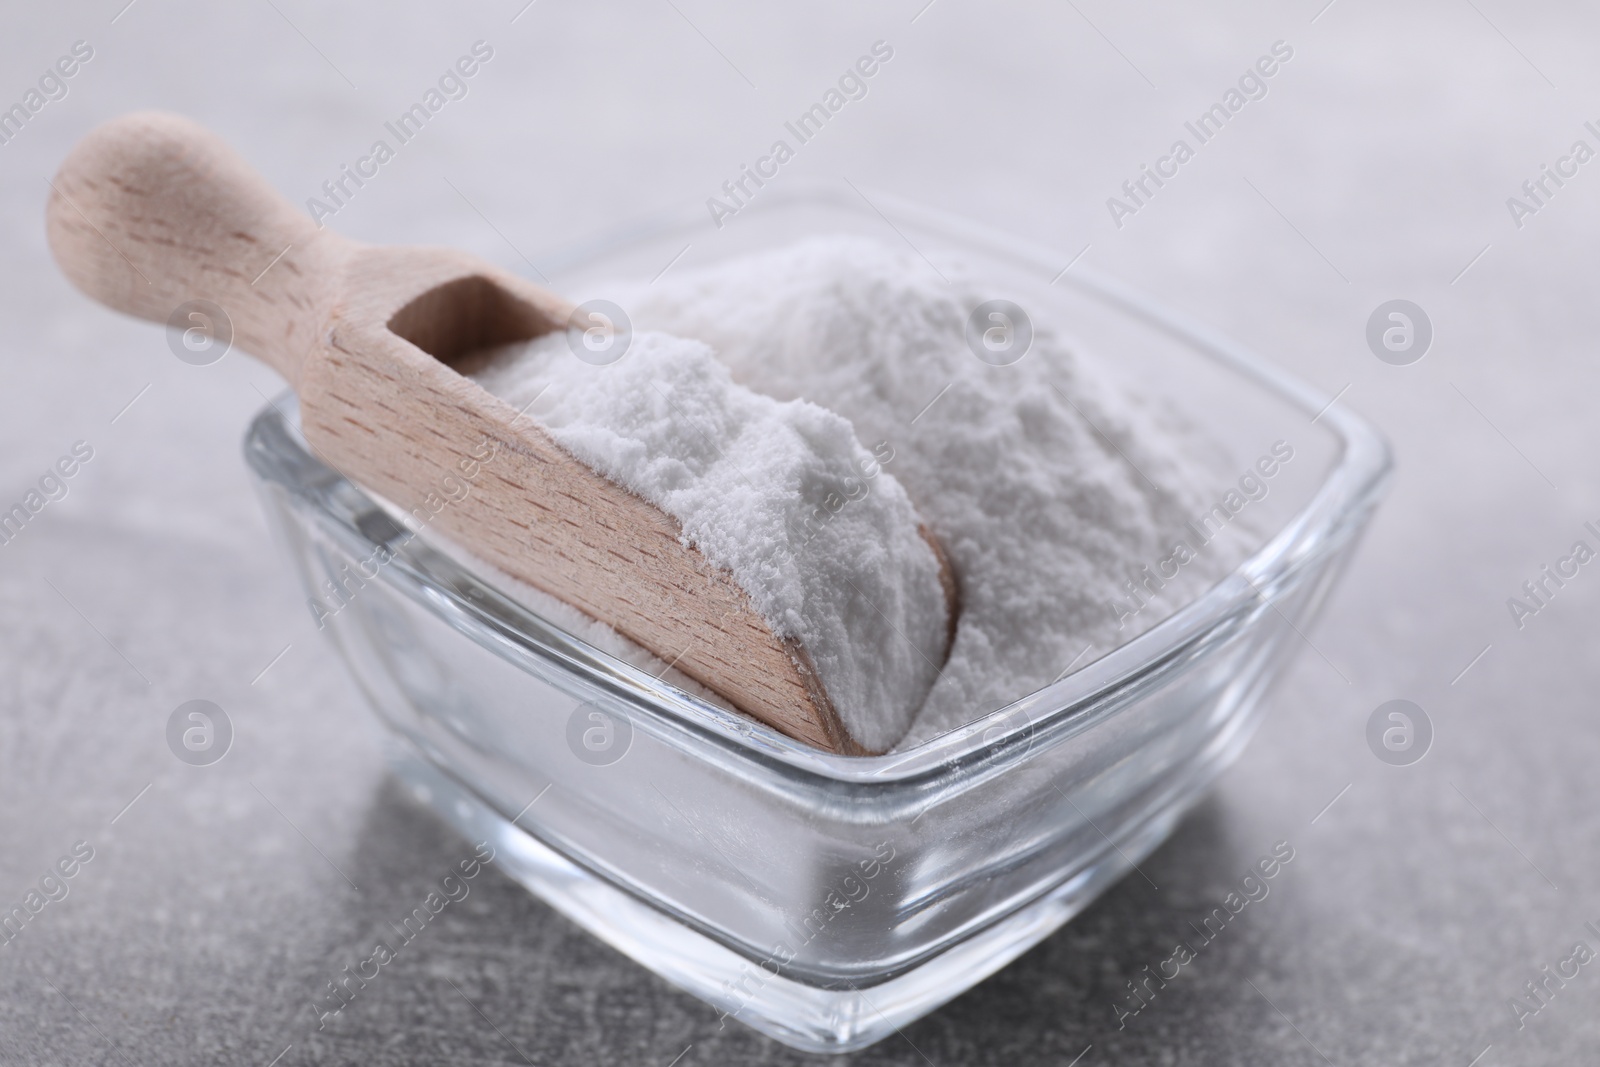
[{"x": 1377, "y": 167}]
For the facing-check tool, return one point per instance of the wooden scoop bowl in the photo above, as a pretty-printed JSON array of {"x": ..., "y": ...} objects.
[{"x": 151, "y": 211}]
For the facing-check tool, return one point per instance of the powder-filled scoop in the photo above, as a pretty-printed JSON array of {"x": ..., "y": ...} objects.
[{"x": 151, "y": 212}]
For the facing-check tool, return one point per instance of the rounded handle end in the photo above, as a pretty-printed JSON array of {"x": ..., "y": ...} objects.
[{"x": 151, "y": 210}]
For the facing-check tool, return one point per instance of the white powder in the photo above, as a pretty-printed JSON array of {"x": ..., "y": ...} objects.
[
  {"x": 1032, "y": 476},
  {"x": 749, "y": 478},
  {"x": 1029, "y": 475}
]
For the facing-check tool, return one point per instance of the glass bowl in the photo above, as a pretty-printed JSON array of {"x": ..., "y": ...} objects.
[{"x": 827, "y": 900}]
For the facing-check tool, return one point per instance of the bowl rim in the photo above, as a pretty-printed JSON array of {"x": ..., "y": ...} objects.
[{"x": 1335, "y": 512}]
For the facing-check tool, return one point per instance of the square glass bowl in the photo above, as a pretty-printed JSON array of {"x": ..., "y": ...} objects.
[{"x": 827, "y": 900}]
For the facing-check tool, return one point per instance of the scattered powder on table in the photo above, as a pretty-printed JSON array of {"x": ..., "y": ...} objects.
[{"x": 1033, "y": 477}]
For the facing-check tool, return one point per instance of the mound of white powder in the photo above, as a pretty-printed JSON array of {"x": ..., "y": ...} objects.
[
  {"x": 1047, "y": 487},
  {"x": 753, "y": 481},
  {"x": 1032, "y": 476}
]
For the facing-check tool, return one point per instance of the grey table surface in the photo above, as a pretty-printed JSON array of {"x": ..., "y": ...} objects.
[{"x": 1379, "y": 164}]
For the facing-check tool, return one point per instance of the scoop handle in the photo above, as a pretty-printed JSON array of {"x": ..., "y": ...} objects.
[{"x": 151, "y": 211}]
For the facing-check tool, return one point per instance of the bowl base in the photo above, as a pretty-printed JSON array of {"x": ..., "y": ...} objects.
[{"x": 802, "y": 1016}]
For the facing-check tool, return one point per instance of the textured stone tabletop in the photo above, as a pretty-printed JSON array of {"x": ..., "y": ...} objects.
[{"x": 217, "y": 901}]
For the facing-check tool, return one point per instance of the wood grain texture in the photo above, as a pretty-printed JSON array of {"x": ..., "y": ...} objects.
[{"x": 150, "y": 211}]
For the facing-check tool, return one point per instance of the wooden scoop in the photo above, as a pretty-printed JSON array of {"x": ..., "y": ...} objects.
[{"x": 151, "y": 211}]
